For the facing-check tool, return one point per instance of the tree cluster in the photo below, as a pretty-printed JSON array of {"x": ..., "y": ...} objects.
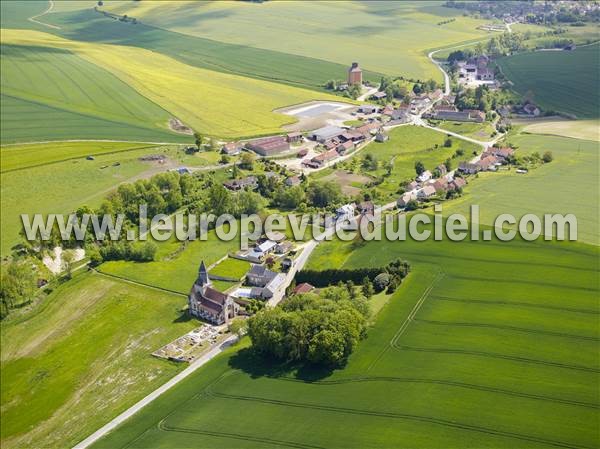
[{"x": 319, "y": 329}]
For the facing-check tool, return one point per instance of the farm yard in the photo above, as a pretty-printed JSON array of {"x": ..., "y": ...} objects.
[
  {"x": 68, "y": 363},
  {"x": 350, "y": 183},
  {"x": 561, "y": 81}
]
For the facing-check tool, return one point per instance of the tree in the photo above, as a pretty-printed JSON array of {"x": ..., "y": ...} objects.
[
  {"x": 324, "y": 193},
  {"x": 419, "y": 167},
  {"x": 68, "y": 257},
  {"x": 198, "y": 140},
  {"x": 381, "y": 281},
  {"x": 289, "y": 198},
  {"x": 18, "y": 286},
  {"x": 448, "y": 164},
  {"x": 548, "y": 157},
  {"x": 448, "y": 142},
  {"x": 224, "y": 159},
  {"x": 247, "y": 161},
  {"x": 367, "y": 288},
  {"x": 219, "y": 200},
  {"x": 238, "y": 327}
]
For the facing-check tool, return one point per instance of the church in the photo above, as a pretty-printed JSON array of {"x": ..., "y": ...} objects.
[{"x": 207, "y": 303}]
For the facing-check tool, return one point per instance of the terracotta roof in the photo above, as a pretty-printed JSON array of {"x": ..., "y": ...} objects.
[{"x": 303, "y": 288}]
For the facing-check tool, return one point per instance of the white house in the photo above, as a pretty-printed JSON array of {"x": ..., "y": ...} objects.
[
  {"x": 425, "y": 176},
  {"x": 345, "y": 212}
]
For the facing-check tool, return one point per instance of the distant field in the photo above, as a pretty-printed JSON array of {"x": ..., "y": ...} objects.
[
  {"x": 210, "y": 102},
  {"x": 69, "y": 365},
  {"x": 578, "y": 129},
  {"x": 25, "y": 156},
  {"x": 209, "y": 54},
  {"x": 569, "y": 184},
  {"x": 531, "y": 352},
  {"x": 369, "y": 32},
  {"x": 52, "y": 94},
  {"x": 565, "y": 81}
]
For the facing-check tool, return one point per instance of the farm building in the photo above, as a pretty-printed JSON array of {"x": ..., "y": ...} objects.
[
  {"x": 457, "y": 183},
  {"x": 381, "y": 137},
  {"x": 259, "y": 252},
  {"x": 342, "y": 148},
  {"x": 232, "y": 148},
  {"x": 305, "y": 287},
  {"x": 326, "y": 133},
  {"x": 294, "y": 137},
  {"x": 240, "y": 184},
  {"x": 269, "y": 146},
  {"x": 210, "y": 304},
  {"x": 425, "y": 176},
  {"x": 366, "y": 208},
  {"x": 426, "y": 192},
  {"x": 378, "y": 96},
  {"x": 292, "y": 181},
  {"x": 354, "y": 74},
  {"x": 368, "y": 109},
  {"x": 459, "y": 116},
  {"x": 405, "y": 199},
  {"x": 323, "y": 158}
]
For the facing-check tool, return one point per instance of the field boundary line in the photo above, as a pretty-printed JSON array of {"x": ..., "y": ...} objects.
[
  {"x": 499, "y": 356},
  {"x": 408, "y": 319},
  {"x": 33, "y": 18},
  {"x": 451, "y": 383},
  {"x": 406, "y": 416},
  {"x": 142, "y": 284},
  {"x": 506, "y": 327},
  {"x": 516, "y": 303},
  {"x": 10, "y": 170}
]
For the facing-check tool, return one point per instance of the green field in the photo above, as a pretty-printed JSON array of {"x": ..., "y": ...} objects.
[
  {"x": 479, "y": 131},
  {"x": 497, "y": 355},
  {"x": 577, "y": 129},
  {"x": 173, "y": 269},
  {"x": 231, "y": 268},
  {"x": 62, "y": 187},
  {"x": 565, "y": 81},
  {"x": 69, "y": 365},
  {"x": 569, "y": 184},
  {"x": 369, "y": 33},
  {"x": 53, "y": 94}
]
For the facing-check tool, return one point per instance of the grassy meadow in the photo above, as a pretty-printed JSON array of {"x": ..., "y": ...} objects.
[
  {"x": 564, "y": 81},
  {"x": 81, "y": 356},
  {"x": 577, "y": 129},
  {"x": 66, "y": 180},
  {"x": 369, "y": 33},
  {"x": 479, "y": 131},
  {"x": 569, "y": 184},
  {"x": 52, "y": 94}
]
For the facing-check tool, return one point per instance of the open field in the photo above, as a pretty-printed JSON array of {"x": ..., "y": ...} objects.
[
  {"x": 174, "y": 269},
  {"x": 81, "y": 355},
  {"x": 52, "y": 94},
  {"x": 569, "y": 184},
  {"x": 479, "y": 131},
  {"x": 531, "y": 352},
  {"x": 62, "y": 187},
  {"x": 230, "y": 268},
  {"x": 369, "y": 32},
  {"x": 577, "y": 129},
  {"x": 565, "y": 81},
  {"x": 210, "y": 102},
  {"x": 243, "y": 60}
]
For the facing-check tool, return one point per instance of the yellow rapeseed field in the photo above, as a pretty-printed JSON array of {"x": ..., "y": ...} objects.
[{"x": 210, "y": 102}]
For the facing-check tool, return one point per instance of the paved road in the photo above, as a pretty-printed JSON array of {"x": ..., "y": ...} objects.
[{"x": 156, "y": 393}]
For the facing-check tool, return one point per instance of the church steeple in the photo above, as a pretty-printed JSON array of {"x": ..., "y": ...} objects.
[{"x": 202, "y": 275}]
